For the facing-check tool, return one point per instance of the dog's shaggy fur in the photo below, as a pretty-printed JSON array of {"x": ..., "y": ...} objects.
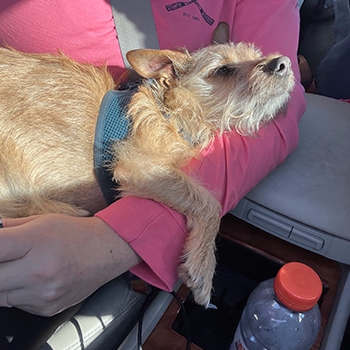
[{"x": 48, "y": 110}]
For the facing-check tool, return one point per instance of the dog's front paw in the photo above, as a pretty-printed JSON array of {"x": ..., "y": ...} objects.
[{"x": 198, "y": 275}]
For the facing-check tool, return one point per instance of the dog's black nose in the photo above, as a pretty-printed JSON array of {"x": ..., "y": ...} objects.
[{"x": 279, "y": 65}]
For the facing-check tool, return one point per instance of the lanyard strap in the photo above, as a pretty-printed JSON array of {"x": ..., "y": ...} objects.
[{"x": 135, "y": 26}]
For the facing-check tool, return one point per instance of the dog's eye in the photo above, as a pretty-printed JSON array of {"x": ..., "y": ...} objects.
[{"x": 224, "y": 71}]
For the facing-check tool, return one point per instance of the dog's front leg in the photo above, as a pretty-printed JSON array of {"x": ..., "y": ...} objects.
[
  {"x": 198, "y": 266},
  {"x": 202, "y": 212},
  {"x": 179, "y": 191}
]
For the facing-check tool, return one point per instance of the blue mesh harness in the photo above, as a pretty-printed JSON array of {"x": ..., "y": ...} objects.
[{"x": 112, "y": 125}]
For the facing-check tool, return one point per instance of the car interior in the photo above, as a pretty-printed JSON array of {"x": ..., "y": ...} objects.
[{"x": 299, "y": 212}]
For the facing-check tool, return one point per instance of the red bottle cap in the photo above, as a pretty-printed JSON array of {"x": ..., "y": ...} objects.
[{"x": 298, "y": 286}]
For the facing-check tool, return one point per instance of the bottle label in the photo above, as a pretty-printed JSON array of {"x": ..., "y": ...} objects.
[{"x": 238, "y": 342}]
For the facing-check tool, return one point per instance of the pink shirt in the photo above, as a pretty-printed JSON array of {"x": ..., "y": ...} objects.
[{"x": 233, "y": 164}]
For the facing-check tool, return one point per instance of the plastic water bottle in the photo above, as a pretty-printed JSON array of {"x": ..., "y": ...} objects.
[{"x": 282, "y": 312}]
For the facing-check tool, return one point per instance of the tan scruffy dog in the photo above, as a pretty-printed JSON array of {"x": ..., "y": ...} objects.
[{"x": 48, "y": 110}]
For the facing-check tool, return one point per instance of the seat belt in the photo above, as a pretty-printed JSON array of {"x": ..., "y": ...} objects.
[{"x": 134, "y": 25}]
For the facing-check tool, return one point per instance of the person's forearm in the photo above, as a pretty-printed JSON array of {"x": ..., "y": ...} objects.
[{"x": 51, "y": 262}]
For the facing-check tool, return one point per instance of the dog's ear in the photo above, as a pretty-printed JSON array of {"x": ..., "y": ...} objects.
[
  {"x": 156, "y": 64},
  {"x": 221, "y": 34}
]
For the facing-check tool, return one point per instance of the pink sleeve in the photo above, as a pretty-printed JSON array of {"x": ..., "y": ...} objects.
[{"x": 232, "y": 165}]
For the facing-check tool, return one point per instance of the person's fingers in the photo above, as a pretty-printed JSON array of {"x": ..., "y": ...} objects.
[
  {"x": 3, "y": 299},
  {"x": 7, "y": 222},
  {"x": 12, "y": 245},
  {"x": 9, "y": 282},
  {"x": 33, "y": 303},
  {"x": 12, "y": 275}
]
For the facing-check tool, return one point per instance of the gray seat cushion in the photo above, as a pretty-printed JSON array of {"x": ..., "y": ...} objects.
[{"x": 306, "y": 200}]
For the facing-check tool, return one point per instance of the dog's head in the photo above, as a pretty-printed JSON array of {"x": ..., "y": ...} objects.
[{"x": 231, "y": 85}]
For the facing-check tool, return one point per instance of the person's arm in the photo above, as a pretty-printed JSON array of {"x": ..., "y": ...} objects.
[{"x": 51, "y": 262}]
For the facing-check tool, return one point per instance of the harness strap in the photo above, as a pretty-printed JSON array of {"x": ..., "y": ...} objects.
[
  {"x": 112, "y": 125},
  {"x": 135, "y": 26},
  {"x": 135, "y": 29}
]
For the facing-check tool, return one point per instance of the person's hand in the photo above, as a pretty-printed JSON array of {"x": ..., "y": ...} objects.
[{"x": 51, "y": 262}]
